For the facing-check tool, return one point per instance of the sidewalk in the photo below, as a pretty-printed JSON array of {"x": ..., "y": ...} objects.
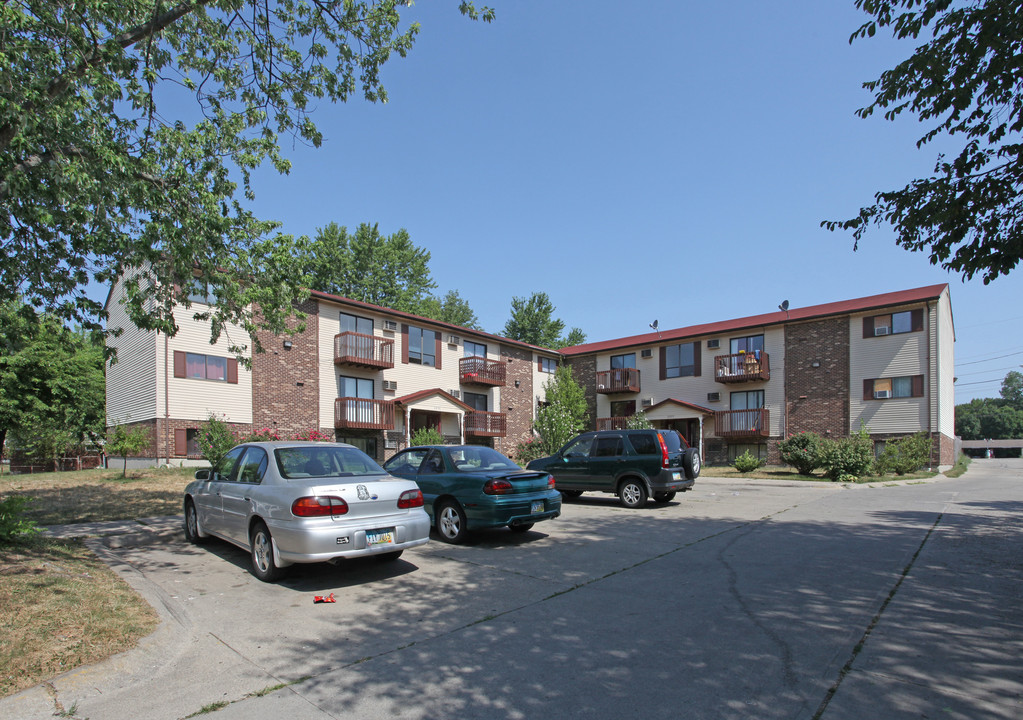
[{"x": 123, "y": 533}]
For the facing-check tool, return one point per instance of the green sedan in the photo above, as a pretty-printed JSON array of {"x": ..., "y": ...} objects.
[{"x": 467, "y": 487}]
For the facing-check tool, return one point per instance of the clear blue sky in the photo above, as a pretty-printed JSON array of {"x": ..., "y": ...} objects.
[{"x": 637, "y": 161}]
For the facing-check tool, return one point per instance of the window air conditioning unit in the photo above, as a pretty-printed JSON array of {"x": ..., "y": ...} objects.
[
  {"x": 713, "y": 344},
  {"x": 455, "y": 394},
  {"x": 882, "y": 394},
  {"x": 390, "y": 443},
  {"x": 454, "y": 340},
  {"x": 390, "y": 384},
  {"x": 391, "y": 325},
  {"x": 648, "y": 402},
  {"x": 883, "y": 330},
  {"x": 713, "y": 397},
  {"x": 646, "y": 352}
]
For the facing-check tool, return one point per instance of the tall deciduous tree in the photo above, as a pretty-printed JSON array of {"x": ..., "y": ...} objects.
[
  {"x": 563, "y": 416},
  {"x": 389, "y": 271},
  {"x": 966, "y": 82},
  {"x": 103, "y": 169},
  {"x": 452, "y": 308},
  {"x": 532, "y": 321}
]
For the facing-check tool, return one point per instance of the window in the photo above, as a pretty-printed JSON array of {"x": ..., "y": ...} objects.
[
  {"x": 199, "y": 292},
  {"x": 893, "y": 323},
  {"x": 619, "y": 362},
  {"x": 737, "y": 449},
  {"x": 253, "y": 466},
  {"x": 360, "y": 407},
  {"x": 422, "y": 346},
  {"x": 192, "y": 442},
  {"x": 477, "y": 401},
  {"x": 897, "y": 387},
  {"x": 367, "y": 444},
  {"x": 623, "y": 408},
  {"x": 355, "y": 323},
  {"x": 681, "y": 360},
  {"x": 205, "y": 367},
  {"x": 546, "y": 365},
  {"x": 746, "y": 406},
  {"x": 472, "y": 349},
  {"x": 749, "y": 344},
  {"x": 604, "y": 446}
]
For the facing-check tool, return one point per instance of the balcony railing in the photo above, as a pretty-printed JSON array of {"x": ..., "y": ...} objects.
[
  {"x": 623, "y": 380},
  {"x": 612, "y": 423},
  {"x": 479, "y": 423},
  {"x": 360, "y": 414},
  {"x": 742, "y": 367},
  {"x": 352, "y": 348},
  {"x": 743, "y": 423},
  {"x": 480, "y": 371}
]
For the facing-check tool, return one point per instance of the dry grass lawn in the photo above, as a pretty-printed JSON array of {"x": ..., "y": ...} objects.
[{"x": 60, "y": 606}]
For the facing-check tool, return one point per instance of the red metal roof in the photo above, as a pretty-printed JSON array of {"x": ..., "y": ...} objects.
[{"x": 844, "y": 307}]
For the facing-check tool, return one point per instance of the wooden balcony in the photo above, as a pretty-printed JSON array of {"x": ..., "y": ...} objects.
[
  {"x": 352, "y": 348},
  {"x": 359, "y": 414},
  {"x": 480, "y": 371},
  {"x": 479, "y": 423},
  {"x": 743, "y": 367},
  {"x": 743, "y": 423},
  {"x": 612, "y": 423},
  {"x": 624, "y": 380}
]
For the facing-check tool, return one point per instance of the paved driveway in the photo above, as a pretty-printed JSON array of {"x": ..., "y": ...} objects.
[{"x": 738, "y": 600}]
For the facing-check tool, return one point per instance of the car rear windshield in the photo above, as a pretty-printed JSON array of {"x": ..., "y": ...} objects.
[
  {"x": 474, "y": 459},
  {"x": 672, "y": 441},
  {"x": 325, "y": 462}
]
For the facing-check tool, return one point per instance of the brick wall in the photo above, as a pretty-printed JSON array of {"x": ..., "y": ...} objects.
[
  {"x": 285, "y": 382},
  {"x": 817, "y": 398},
  {"x": 517, "y": 402},
  {"x": 584, "y": 371}
]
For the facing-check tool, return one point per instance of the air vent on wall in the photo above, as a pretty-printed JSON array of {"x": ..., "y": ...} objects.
[
  {"x": 713, "y": 397},
  {"x": 646, "y": 352},
  {"x": 713, "y": 344},
  {"x": 647, "y": 402},
  {"x": 455, "y": 393},
  {"x": 390, "y": 384},
  {"x": 390, "y": 325}
]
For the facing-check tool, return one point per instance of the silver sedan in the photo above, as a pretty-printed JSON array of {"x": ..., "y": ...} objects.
[{"x": 304, "y": 502}]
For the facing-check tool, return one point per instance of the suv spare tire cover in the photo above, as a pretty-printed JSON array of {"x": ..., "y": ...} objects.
[{"x": 691, "y": 463}]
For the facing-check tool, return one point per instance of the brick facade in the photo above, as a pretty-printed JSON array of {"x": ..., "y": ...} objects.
[
  {"x": 584, "y": 372},
  {"x": 517, "y": 398},
  {"x": 817, "y": 378}
]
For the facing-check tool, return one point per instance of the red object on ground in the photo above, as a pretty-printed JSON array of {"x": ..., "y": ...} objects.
[{"x": 324, "y": 598}]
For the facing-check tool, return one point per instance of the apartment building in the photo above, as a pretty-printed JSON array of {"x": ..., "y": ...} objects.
[
  {"x": 884, "y": 363},
  {"x": 364, "y": 374}
]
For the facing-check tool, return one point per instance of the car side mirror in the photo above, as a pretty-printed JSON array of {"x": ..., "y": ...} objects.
[{"x": 203, "y": 474}]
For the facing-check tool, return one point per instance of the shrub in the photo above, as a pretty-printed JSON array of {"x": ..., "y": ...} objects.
[
  {"x": 12, "y": 524},
  {"x": 427, "y": 436},
  {"x": 314, "y": 436},
  {"x": 216, "y": 440},
  {"x": 529, "y": 450},
  {"x": 747, "y": 463},
  {"x": 847, "y": 459},
  {"x": 261, "y": 435},
  {"x": 802, "y": 451},
  {"x": 904, "y": 455},
  {"x": 638, "y": 422}
]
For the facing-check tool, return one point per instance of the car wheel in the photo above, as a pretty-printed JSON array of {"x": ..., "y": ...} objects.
[
  {"x": 193, "y": 533},
  {"x": 388, "y": 557},
  {"x": 262, "y": 554},
  {"x": 570, "y": 494},
  {"x": 521, "y": 528},
  {"x": 451, "y": 523},
  {"x": 632, "y": 494},
  {"x": 663, "y": 497},
  {"x": 691, "y": 463}
]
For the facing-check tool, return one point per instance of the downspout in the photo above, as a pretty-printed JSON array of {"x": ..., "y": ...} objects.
[{"x": 166, "y": 400}]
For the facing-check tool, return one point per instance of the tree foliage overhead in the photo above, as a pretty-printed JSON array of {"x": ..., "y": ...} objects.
[
  {"x": 129, "y": 131},
  {"x": 966, "y": 83},
  {"x": 532, "y": 321},
  {"x": 452, "y": 308}
]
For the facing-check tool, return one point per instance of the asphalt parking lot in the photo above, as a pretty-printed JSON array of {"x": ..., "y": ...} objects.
[{"x": 737, "y": 600}]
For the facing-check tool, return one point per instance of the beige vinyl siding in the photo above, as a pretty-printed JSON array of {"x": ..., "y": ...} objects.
[
  {"x": 889, "y": 356},
  {"x": 944, "y": 375},
  {"x": 194, "y": 399},
  {"x": 131, "y": 381}
]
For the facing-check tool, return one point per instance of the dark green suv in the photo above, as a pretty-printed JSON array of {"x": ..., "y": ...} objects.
[{"x": 633, "y": 464}]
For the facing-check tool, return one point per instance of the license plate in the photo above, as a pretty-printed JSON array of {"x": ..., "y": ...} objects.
[
  {"x": 676, "y": 476},
  {"x": 380, "y": 537},
  {"x": 537, "y": 506}
]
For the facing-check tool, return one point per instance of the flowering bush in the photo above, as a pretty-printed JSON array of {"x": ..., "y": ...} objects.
[
  {"x": 529, "y": 450},
  {"x": 802, "y": 452},
  {"x": 314, "y": 435},
  {"x": 216, "y": 440},
  {"x": 261, "y": 435}
]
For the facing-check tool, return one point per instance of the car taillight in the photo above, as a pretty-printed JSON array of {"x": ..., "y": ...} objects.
[
  {"x": 497, "y": 487},
  {"x": 664, "y": 451},
  {"x": 319, "y": 506},
  {"x": 411, "y": 499},
  {"x": 550, "y": 482}
]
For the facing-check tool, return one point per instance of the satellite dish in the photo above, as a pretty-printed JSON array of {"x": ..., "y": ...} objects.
[
  {"x": 654, "y": 325},
  {"x": 784, "y": 307}
]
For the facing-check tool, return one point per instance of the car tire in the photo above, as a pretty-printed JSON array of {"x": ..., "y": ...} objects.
[
  {"x": 193, "y": 531},
  {"x": 450, "y": 523},
  {"x": 261, "y": 552},
  {"x": 664, "y": 497},
  {"x": 691, "y": 463},
  {"x": 521, "y": 528},
  {"x": 388, "y": 557},
  {"x": 570, "y": 494},
  {"x": 632, "y": 493}
]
